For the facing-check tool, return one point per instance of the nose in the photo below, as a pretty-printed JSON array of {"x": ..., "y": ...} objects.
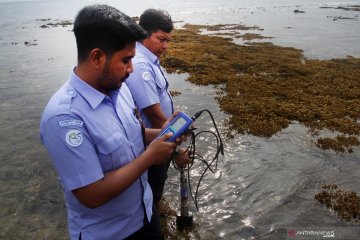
[
  {"x": 165, "y": 45},
  {"x": 130, "y": 68}
]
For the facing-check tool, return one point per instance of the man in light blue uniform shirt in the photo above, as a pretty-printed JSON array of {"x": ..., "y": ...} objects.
[
  {"x": 94, "y": 138},
  {"x": 150, "y": 89},
  {"x": 149, "y": 85}
]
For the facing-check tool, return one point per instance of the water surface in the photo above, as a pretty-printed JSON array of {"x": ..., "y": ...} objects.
[{"x": 262, "y": 185}]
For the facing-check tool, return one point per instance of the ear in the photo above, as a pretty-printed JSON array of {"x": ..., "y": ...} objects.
[
  {"x": 146, "y": 41},
  {"x": 97, "y": 58}
]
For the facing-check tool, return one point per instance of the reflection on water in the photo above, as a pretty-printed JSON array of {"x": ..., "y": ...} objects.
[{"x": 261, "y": 186}]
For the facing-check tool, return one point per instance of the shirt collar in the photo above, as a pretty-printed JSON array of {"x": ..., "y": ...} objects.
[
  {"x": 91, "y": 95},
  {"x": 152, "y": 57}
]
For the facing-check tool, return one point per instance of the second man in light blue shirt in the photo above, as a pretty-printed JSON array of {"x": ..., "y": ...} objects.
[{"x": 150, "y": 89}]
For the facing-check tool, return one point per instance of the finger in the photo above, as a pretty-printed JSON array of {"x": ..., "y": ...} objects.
[
  {"x": 176, "y": 112},
  {"x": 166, "y": 136},
  {"x": 179, "y": 140}
]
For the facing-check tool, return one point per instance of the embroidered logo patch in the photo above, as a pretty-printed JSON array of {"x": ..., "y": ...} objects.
[
  {"x": 74, "y": 137},
  {"x": 67, "y": 123},
  {"x": 146, "y": 76}
]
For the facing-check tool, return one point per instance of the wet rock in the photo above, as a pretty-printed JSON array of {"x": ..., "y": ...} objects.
[
  {"x": 29, "y": 43},
  {"x": 298, "y": 11},
  {"x": 54, "y": 23},
  {"x": 346, "y": 7},
  {"x": 350, "y": 8},
  {"x": 175, "y": 93}
]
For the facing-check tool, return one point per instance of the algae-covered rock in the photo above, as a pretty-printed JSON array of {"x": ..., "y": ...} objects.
[
  {"x": 345, "y": 204},
  {"x": 267, "y": 87}
]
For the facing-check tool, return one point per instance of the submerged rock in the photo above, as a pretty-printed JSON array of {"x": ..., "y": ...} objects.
[{"x": 298, "y": 11}]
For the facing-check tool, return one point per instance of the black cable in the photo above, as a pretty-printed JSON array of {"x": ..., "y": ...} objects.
[
  {"x": 191, "y": 150},
  {"x": 197, "y": 115},
  {"x": 208, "y": 167}
]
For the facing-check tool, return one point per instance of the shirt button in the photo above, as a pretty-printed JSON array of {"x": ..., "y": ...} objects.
[{"x": 70, "y": 92}]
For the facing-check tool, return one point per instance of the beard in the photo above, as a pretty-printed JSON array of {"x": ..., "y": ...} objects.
[{"x": 108, "y": 81}]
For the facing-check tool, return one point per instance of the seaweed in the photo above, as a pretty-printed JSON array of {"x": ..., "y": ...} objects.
[
  {"x": 268, "y": 87},
  {"x": 345, "y": 204}
]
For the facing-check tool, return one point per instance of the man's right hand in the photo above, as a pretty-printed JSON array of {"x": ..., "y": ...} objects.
[{"x": 161, "y": 150}]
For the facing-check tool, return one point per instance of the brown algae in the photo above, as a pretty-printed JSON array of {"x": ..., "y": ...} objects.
[
  {"x": 345, "y": 204},
  {"x": 267, "y": 87},
  {"x": 175, "y": 93}
]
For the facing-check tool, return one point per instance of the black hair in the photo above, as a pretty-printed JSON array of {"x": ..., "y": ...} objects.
[
  {"x": 153, "y": 20},
  {"x": 106, "y": 28}
]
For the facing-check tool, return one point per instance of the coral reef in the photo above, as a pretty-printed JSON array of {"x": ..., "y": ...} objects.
[
  {"x": 345, "y": 204},
  {"x": 267, "y": 87}
]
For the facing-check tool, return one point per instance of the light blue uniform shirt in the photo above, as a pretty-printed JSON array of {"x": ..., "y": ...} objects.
[
  {"x": 87, "y": 134},
  {"x": 148, "y": 83}
]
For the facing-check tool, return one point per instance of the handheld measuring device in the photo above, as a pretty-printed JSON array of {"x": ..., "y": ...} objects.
[{"x": 177, "y": 126}]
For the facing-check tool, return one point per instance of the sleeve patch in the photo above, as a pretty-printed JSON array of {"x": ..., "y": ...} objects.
[
  {"x": 146, "y": 76},
  {"x": 74, "y": 138},
  {"x": 67, "y": 123}
]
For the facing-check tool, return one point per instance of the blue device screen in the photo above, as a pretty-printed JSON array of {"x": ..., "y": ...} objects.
[
  {"x": 180, "y": 122},
  {"x": 177, "y": 126}
]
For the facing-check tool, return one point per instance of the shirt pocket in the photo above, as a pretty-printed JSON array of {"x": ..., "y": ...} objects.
[
  {"x": 161, "y": 84},
  {"x": 114, "y": 151}
]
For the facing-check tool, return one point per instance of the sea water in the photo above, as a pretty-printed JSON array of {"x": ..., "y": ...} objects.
[{"x": 262, "y": 187}]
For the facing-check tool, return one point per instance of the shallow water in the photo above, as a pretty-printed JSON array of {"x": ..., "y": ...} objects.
[{"x": 262, "y": 187}]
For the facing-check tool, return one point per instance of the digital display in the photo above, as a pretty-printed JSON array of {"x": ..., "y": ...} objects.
[{"x": 178, "y": 124}]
